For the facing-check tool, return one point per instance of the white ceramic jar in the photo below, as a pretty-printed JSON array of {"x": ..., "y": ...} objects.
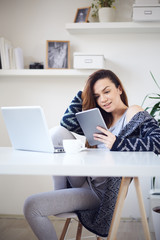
[{"x": 106, "y": 14}]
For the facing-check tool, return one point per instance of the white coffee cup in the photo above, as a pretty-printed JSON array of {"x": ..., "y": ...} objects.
[{"x": 72, "y": 145}]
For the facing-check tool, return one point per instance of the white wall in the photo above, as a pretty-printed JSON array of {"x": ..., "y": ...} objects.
[{"x": 28, "y": 24}]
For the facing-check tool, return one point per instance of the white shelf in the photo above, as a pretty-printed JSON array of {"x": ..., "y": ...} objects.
[
  {"x": 113, "y": 27},
  {"x": 46, "y": 72}
]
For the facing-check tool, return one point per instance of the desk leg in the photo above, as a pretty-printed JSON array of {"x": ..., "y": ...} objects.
[
  {"x": 118, "y": 208},
  {"x": 142, "y": 209}
]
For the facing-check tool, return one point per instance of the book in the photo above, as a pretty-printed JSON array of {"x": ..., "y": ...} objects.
[
  {"x": 2, "y": 51},
  {"x": 7, "y": 45},
  {"x": 18, "y": 54},
  {"x": 10, "y": 57},
  {"x": 0, "y": 62}
]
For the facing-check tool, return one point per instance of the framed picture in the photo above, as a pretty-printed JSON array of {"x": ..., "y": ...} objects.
[
  {"x": 82, "y": 14},
  {"x": 58, "y": 54}
]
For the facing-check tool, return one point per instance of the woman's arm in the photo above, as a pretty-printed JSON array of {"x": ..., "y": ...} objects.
[
  {"x": 142, "y": 133},
  {"x": 145, "y": 137},
  {"x": 109, "y": 138},
  {"x": 69, "y": 119}
]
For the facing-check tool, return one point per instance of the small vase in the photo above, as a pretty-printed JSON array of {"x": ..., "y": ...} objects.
[
  {"x": 106, "y": 14},
  {"x": 156, "y": 221}
]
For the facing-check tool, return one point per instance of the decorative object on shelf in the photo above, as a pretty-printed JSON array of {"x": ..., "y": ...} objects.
[
  {"x": 10, "y": 57},
  {"x": 106, "y": 14},
  {"x": 0, "y": 63},
  {"x": 88, "y": 61},
  {"x": 36, "y": 65},
  {"x": 58, "y": 54},
  {"x": 104, "y": 9},
  {"x": 146, "y": 10},
  {"x": 156, "y": 221},
  {"x": 18, "y": 55},
  {"x": 6, "y": 53},
  {"x": 82, "y": 14}
]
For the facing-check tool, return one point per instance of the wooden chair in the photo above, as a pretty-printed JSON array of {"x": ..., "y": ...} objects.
[
  {"x": 59, "y": 182},
  {"x": 69, "y": 217},
  {"x": 117, "y": 212}
]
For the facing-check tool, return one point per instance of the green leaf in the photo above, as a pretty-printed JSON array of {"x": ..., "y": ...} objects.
[
  {"x": 154, "y": 97},
  {"x": 154, "y": 80},
  {"x": 156, "y": 108},
  {"x": 147, "y": 108},
  {"x": 145, "y": 99}
]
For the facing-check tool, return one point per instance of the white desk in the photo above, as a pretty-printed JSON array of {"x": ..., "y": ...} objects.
[{"x": 87, "y": 163}]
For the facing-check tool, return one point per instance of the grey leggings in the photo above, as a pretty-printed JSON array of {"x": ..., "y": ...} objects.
[{"x": 38, "y": 207}]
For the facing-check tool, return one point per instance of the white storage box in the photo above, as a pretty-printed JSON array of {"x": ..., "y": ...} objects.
[
  {"x": 88, "y": 61},
  {"x": 146, "y": 2},
  {"x": 146, "y": 13}
]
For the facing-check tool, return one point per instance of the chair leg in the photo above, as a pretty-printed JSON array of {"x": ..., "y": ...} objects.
[
  {"x": 79, "y": 231},
  {"x": 99, "y": 238},
  {"x": 65, "y": 228}
]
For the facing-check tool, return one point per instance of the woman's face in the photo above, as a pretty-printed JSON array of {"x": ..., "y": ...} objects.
[{"x": 106, "y": 94}]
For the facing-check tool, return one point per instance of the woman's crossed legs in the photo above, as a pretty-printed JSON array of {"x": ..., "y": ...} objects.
[{"x": 38, "y": 207}]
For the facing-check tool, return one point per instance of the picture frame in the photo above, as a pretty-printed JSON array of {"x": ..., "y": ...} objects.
[
  {"x": 57, "y": 54},
  {"x": 82, "y": 14}
]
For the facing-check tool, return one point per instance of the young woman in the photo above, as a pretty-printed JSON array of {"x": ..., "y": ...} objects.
[{"x": 94, "y": 198}]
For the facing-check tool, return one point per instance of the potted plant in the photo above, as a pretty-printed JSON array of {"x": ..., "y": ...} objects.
[
  {"x": 154, "y": 110},
  {"x": 104, "y": 10},
  {"x": 156, "y": 221},
  {"x": 155, "y": 107}
]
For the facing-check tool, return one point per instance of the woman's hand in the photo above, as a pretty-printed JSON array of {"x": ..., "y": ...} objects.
[{"x": 106, "y": 137}]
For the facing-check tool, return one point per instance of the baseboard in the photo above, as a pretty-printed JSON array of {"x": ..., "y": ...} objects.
[
  {"x": 11, "y": 216},
  {"x": 16, "y": 216},
  {"x": 130, "y": 219}
]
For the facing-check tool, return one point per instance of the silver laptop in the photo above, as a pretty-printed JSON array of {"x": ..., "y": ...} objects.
[{"x": 27, "y": 129}]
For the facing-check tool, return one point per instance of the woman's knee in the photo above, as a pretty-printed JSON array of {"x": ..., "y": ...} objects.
[
  {"x": 59, "y": 133},
  {"x": 29, "y": 207}
]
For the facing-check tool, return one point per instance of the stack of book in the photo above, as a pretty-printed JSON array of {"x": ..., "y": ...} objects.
[{"x": 10, "y": 57}]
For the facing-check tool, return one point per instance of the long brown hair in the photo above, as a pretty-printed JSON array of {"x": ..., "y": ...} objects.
[{"x": 88, "y": 100}]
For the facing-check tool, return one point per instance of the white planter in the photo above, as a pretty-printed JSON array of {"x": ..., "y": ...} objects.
[
  {"x": 156, "y": 221},
  {"x": 106, "y": 14}
]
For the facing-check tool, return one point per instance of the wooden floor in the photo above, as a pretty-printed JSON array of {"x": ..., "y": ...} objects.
[{"x": 16, "y": 228}]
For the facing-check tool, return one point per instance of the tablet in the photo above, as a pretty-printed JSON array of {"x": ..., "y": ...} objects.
[{"x": 88, "y": 121}]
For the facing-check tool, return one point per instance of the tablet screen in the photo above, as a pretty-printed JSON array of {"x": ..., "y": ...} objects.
[{"x": 88, "y": 121}]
